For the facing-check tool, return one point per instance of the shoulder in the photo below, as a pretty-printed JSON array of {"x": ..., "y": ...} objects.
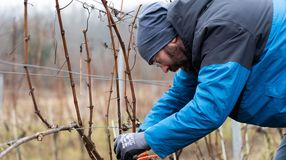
[{"x": 250, "y": 14}]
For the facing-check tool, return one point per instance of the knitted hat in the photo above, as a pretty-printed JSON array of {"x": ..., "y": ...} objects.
[{"x": 154, "y": 31}]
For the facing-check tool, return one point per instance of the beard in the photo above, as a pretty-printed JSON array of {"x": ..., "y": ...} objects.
[
  {"x": 178, "y": 65},
  {"x": 174, "y": 68},
  {"x": 178, "y": 56}
]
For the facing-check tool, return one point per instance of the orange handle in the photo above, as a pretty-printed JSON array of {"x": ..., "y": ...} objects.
[{"x": 146, "y": 156}]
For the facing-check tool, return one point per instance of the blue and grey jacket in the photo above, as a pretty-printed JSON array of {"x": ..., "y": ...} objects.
[{"x": 237, "y": 52}]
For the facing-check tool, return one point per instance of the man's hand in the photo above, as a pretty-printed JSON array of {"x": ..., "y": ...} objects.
[{"x": 126, "y": 146}]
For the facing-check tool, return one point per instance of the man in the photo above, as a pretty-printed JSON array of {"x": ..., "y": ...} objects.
[{"x": 232, "y": 60}]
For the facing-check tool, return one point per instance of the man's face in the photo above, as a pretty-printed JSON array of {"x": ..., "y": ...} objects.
[{"x": 171, "y": 57}]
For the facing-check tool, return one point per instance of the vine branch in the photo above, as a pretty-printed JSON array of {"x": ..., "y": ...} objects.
[
  {"x": 68, "y": 63},
  {"x": 104, "y": 2},
  {"x": 39, "y": 136},
  {"x": 26, "y": 55}
]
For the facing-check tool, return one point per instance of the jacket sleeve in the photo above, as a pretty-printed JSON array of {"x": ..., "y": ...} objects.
[
  {"x": 218, "y": 89},
  {"x": 172, "y": 101},
  {"x": 220, "y": 82}
]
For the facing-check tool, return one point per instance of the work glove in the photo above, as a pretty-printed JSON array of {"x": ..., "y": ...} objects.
[{"x": 127, "y": 146}]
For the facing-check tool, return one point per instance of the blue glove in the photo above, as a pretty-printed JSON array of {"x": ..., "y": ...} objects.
[{"x": 126, "y": 146}]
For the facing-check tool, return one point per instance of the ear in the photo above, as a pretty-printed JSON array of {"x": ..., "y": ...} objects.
[{"x": 174, "y": 40}]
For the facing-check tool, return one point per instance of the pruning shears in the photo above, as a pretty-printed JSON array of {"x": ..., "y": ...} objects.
[{"x": 146, "y": 156}]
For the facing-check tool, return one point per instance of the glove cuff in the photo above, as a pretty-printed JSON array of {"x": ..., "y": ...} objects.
[{"x": 142, "y": 141}]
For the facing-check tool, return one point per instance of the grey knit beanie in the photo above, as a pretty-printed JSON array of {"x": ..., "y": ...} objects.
[{"x": 154, "y": 31}]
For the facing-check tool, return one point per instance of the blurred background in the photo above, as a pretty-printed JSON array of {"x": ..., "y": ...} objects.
[{"x": 49, "y": 77}]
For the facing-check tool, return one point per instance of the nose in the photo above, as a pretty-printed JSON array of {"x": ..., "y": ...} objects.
[{"x": 164, "y": 68}]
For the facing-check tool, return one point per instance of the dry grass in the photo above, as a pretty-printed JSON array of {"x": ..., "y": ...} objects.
[{"x": 60, "y": 111}]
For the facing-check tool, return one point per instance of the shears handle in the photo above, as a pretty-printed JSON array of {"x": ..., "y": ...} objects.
[{"x": 146, "y": 156}]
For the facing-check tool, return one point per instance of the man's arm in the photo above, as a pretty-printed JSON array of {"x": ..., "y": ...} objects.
[
  {"x": 226, "y": 58},
  {"x": 178, "y": 96},
  {"x": 130, "y": 144},
  {"x": 218, "y": 89}
]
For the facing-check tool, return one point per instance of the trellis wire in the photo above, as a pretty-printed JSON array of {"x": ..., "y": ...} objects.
[{"x": 93, "y": 76}]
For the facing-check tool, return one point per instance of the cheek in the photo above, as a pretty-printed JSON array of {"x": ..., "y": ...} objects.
[
  {"x": 176, "y": 57},
  {"x": 167, "y": 59}
]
